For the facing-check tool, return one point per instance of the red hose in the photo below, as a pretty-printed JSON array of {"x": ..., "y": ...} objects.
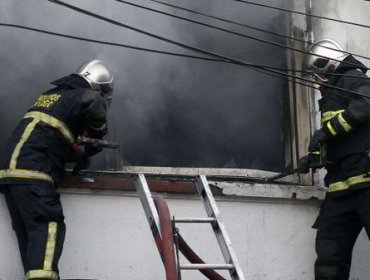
[
  {"x": 166, "y": 245},
  {"x": 166, "y": 248},
  {"x": 194, "y": 258}
]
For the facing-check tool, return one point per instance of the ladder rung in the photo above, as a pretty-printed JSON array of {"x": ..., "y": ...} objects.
[
  {"x": 193, "y": 220},
  {"x": 206, "y": 266}
]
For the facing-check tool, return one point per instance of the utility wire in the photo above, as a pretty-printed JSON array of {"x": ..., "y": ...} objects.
[
  {"x": 133, "y": 47},
  {"x": 250, "y": 27},
  {"x": 110, "y": 43},
  {"x": 224, "y": 30},
  {"x": 140, "y": 48},
  {"x": 136, "y": 48},
  {"x": 153, "y": 50},
  {"x": 197, "y": 49},
  {"x": 301, "y": 13},
  {"x": 279, "y": 76}
]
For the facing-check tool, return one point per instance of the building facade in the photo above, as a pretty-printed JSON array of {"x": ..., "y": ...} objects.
[{"x": 108, "y": 236}]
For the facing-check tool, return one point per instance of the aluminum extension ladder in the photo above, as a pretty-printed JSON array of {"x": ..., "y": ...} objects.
[{"x": 231, "y": 263}]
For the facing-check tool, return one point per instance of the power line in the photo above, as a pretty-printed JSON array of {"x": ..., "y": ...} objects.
[
  {"x": 195, "y": 48},
  {"x": 223, "y": 29},
  {"x": 153, "y": 50},
  {"x": 109, "y": 43},
  {"x": 138, "y": 48},
  {"x": 301, "y": 13},
  {"x": 192, "y": 48},
  {"x": 163, "y": 52},
  {"x": 249, "y": 26}
]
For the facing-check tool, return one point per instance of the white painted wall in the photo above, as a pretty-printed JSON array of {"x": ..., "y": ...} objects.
[
  {"x": 108, "y": 238},
  {"x": 352, "y": 38}
]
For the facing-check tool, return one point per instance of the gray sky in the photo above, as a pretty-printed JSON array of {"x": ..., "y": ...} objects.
[{"x": 167, "y": 111}]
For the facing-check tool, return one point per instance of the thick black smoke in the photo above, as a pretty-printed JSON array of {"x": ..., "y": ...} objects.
[{"x": 167, "y": 111}]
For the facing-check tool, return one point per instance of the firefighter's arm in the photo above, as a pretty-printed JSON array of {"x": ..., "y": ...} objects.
[
  {"x": 357, "y": 112},
  {"x": 94, "y": 111}
]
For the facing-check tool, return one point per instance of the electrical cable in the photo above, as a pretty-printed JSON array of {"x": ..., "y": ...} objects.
[
  {"x": 288, "y": 79},
  {"x": 223, "y": 29},
  {"x": 168, "y": 53},
  {"x": 134, "y": 47},
  {"x": 250, "y": 27},
  {"x": 152, "y": 50},
  {"x": 301, "y": 13},
  {"x": 110, "y": 43},
  {"x": 80, "y": 10},
  {"x": 138, "y": 48},
  {"x": 162, "y": 52}
]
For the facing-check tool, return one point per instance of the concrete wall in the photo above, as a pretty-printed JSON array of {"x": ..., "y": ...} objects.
[
  {"x": 352, "y": 38},
  {"x": 108, "y": 237}
]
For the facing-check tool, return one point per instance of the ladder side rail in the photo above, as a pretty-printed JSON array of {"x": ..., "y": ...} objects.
[
  {"x": 150, "y": 210},
  {"x": 213, "y": 212},
  {"x": 158, "y": 216},
  {"x": 219, "y": 228}
]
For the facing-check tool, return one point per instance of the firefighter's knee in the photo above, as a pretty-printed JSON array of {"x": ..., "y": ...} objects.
[{"x": 333, "y": 260}]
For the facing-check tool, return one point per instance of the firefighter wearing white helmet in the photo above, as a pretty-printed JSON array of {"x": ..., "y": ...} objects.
[
  {"x": 99, "y": 77},
  {"x": 345, "y": 132},
  {"x": 34, "y": 160},
  {"x": 325, "y": 57}
]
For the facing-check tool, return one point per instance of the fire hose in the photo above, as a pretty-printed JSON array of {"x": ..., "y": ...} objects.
[
  {"x": 165, "y": 244},
  {"x": 192, "y": 257},
  {"x": 164, "y": 240}
]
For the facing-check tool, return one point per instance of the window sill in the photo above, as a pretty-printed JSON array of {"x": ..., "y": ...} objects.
[{"x": 231, "y": 189}]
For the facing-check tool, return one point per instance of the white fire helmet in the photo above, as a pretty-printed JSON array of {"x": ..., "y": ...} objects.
[
  {"x": 324, "y": 57},
  {"x": 98, "y": 75}
]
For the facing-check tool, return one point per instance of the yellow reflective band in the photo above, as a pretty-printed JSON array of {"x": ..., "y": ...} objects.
[
  {"x": 329, "y": 115},
  {"x": 25, "y": 174},
  {"x": 344, "y": 185},
  {"x": 54, "y": 122},
  {"x": 331, "y": 129},
  {"x": 26, "y": 134},
  {"x": 346, "y": 126},
  {"x": 50, "y": 245},
  {"x": 41, "y": 274},
  {"x": 316, "y": 153}
]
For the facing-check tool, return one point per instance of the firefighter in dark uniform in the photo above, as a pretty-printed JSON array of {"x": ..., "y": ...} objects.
[
  {"x": 35, "y": 156},
  {"x": 345, "y": 132}
]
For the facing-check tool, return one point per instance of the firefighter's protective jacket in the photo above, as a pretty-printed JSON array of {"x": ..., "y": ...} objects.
[
  {"x": 43, "y": 140},
  {"x": 346, "y": 117}
]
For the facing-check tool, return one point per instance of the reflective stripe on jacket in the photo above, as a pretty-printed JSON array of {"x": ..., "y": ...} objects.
[
  {"x": 347, "y": 117},
  {"x": 41, "y": 143}
]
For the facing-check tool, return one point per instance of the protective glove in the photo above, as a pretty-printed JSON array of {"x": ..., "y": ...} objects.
[
  {"x": 312, "y": 160},
  {"x": 82, "y": 161},
  {"x": 96, "y": 134},
  {"x": 320, "y": 135},
  {"x": 91, "y": 149},
  {"x": 303, "y": 165}
]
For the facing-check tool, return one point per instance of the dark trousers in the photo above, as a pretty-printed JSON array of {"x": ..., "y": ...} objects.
[
  {"x": 37, "y": 218},
  {"x": 338, "y": 226}
]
